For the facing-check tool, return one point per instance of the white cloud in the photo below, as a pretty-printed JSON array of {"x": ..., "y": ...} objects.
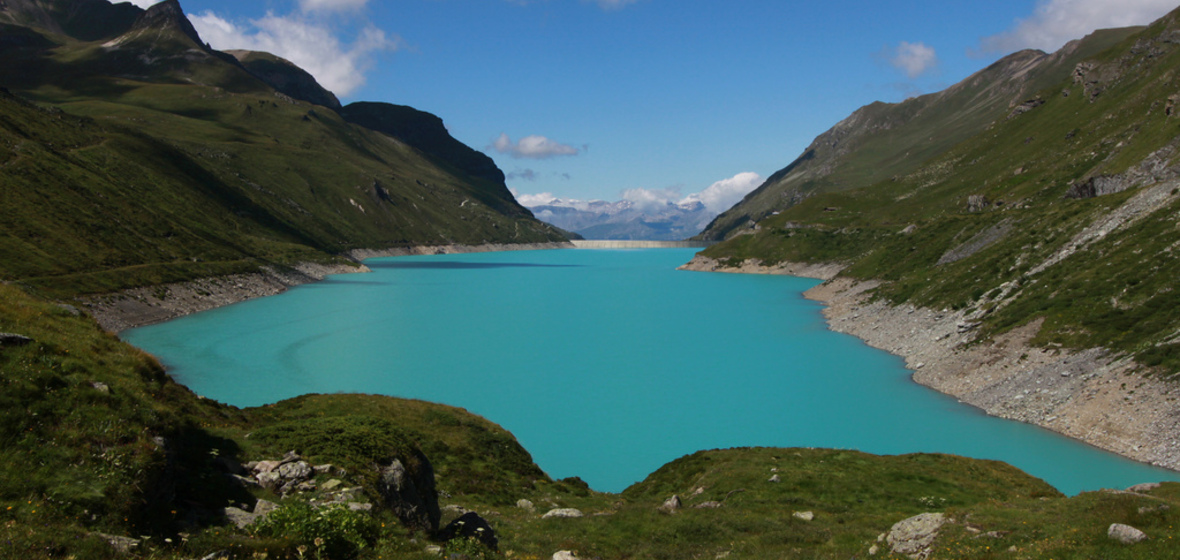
[
  {"x": 717, "y": 198},
  {"x": 1056, "y": 22},
  {"x": 331, "y": 5},
  {"x": 145, "y": 4},
  {"x": 530, "y": 200},
  {"x": 914, "y": 59},
  {"x": 532, "y": 147},
  {"x": 723, "y": 194},
  {"x": 651, "y": 199},
  {"x": 312, "y": 46}
]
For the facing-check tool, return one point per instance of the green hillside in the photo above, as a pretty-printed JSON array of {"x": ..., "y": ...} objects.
[
  {"x": 129, "y": 173},
  {"x": 882, "y": 141},
  {"x": 1064, "y": 212}
]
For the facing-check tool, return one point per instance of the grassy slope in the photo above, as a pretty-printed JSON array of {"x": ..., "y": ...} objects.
[
  {"x": 1111, "y": 294},
  {"x": 885, "y": 140},
  {"x": 204, "y": 170}
]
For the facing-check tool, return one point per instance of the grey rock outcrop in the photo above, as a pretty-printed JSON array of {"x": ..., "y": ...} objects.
[
  {"x": 671, "y": 504},
  {"x": 563, "y": 513},
  {"x": 913, "y": 537},
  {"x": 13, "y": 339},
  {"x": 1125, "y": 534},
  {"x": 409, "y": 492},
  {"x": 977, "y": 203},
  {"x": 1145, "y": 487}
]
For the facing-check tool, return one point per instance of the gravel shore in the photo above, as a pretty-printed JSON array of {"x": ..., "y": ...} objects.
[{"x": 138, "y": 307}]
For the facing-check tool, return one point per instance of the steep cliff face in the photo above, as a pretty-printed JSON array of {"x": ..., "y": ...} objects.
[{"x": 884, "y": 140}]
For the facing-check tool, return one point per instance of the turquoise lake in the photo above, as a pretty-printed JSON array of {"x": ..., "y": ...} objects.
[{"x": 604, "y": 364}]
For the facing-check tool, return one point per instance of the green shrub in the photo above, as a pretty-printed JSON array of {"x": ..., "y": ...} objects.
[{"x": 331, "y": 532}]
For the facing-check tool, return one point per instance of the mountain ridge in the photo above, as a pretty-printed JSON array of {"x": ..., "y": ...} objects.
[{"x": 890, "y": 139}]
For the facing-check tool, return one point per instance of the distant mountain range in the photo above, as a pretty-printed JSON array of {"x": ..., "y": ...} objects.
[
  {"x": 643, "y": 214},
  {"x": 625, "y": 219}
]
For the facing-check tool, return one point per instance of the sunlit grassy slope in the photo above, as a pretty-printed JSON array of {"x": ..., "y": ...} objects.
[
  {"x": 149, "y": 158},
  {"x": 1112, "y": 120}
]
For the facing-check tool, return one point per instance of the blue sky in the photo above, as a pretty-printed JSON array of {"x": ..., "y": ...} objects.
[{"x": 593, "y": 99}]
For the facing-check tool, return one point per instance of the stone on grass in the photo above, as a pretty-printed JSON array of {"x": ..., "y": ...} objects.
[
  {"x": 671, "y": 504},
  {"x": 1125, "y": 534},
  {"x": 524, "y": 504},
  {"x": 775, "y": 478},
  {"x": 563, "y": 512},
  {"x": 913, "y": 537},
  {"x": 804, "y": 515},
  {"x": 564, "y": 555}
]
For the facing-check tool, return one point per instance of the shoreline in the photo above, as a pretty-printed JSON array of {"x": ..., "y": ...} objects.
[
  {"x": 1088, "y": 395},
  {"x": 140, "y": 307}
]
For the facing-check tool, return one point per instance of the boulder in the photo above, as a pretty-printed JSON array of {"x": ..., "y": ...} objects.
[
  {"x": 12, "y": 339},
  {"x": 671, "y": 505},
  {"x": 775, "y": 478},
  {"x": 1125, "y": 534},
  {"x": 977, "y": 203},
  {"x": 564, "y": 555},
  {"x": 296, "y": 471},
  {"x": 470, "y": 526},
  {"x": 410, "y": 493},
  {"x": 708, "y": 505},
  {"x": 525, "y": 504},
  {"x": 913, "y": 537},
  {"x": 804, "y": 515},
  {"x": 563, "y": 512}
]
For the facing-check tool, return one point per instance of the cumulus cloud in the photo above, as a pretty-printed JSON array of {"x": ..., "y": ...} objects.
[
  {"x": 313, "y": 46},
  {"x": 531, "y": 200},
  {"x": 533, "y": 147},
  {"x": 723, "y": 194},
  {"x": 913, "y": 59},
  {"x": 331, "y": 5},
  {"x": 1056, "y": 22},
  {"x": 651, "y": 199},
  {"x": 717, "y": 198}
]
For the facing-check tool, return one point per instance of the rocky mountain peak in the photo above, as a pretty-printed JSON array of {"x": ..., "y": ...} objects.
[{"x": 168, "y": 15}]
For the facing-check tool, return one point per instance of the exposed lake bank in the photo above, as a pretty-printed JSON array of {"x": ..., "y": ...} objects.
[
  {"x": 140, "y": 307},
  {"x": 1089, "y": 395}
]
